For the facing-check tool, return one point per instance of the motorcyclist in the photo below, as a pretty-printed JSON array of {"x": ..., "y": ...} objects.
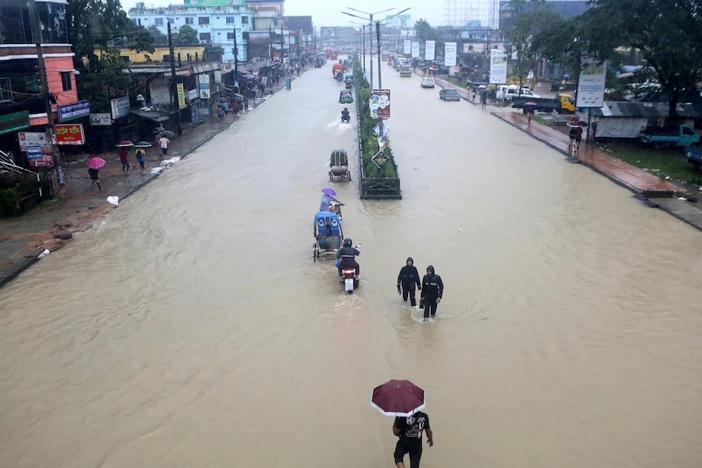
[
  {"x": 345, "y": 116},
  {"x": 347, "y": 256}
]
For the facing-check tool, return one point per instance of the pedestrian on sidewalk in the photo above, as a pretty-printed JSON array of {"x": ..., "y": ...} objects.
[
  {"x": 94, "y": 180},
  {"x": 483, "y": 99},
  {"x": 124, "y": 161},
  {"x": 407, "y": 280},
  {"x": 235, "y": 107},
  {"x": 140, "y": 154},
  {"x": 409, "y": 432},
  {"x": 432, "y": 292},
  {"x": 578, "y": 138},
  {"x": 163, "y": 143}
]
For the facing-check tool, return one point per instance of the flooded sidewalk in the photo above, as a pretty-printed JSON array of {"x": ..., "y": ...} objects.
[
  {"x": 51, "y": 224},
  {"x": 680, "y": 200}
]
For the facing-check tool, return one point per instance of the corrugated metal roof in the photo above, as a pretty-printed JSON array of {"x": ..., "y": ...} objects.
[{"x": 642, "y": 109}]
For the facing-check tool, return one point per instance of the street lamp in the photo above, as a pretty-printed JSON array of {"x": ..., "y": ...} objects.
[
  {"x": 377, "y": 30},
  {"x": 362, "y": 27},
  {"x": 370, "y": 18}
]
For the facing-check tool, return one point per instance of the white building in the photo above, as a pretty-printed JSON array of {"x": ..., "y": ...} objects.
[{"x": 214, "y": 25}]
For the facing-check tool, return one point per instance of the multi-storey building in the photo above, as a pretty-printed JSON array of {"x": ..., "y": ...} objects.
[
  {"x": 216, "y": 22},
  {"x": 21, "y": 100}
]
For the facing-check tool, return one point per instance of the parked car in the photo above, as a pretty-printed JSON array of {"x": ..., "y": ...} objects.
[
  {"x": 449, "y": 94},
  {"x": 507, "y": 93},
  {"x": 428, "y": 82}
]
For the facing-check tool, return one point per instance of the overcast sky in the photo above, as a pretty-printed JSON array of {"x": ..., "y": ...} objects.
[{"x": 327, "y": 13}]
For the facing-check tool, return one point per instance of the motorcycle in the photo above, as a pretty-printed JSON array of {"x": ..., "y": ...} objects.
[
  {"x": 345, "y": 118},
  {"x": 349, "y": 278}
]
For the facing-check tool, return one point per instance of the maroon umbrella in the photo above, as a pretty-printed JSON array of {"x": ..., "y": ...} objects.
[{"x": 398, "y": 398}]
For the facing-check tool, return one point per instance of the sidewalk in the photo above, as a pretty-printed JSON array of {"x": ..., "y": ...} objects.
[
  {"x": 52, "y": 224},
  {"x": 679, "y": 199}
]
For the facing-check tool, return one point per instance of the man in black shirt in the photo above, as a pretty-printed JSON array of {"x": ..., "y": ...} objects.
[
  {"x": 432, "y": 292},
  {"x": 409, "y": 430}
]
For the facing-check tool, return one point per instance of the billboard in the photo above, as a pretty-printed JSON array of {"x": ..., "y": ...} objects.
[
  {"x": 450, "y": 54},
  {"x": 73, "y": 111},
  {"x": 498, "y": 67},
  {"x": 399, "y": 21},
  {"x": 591, "y": 82},
  {"x": 120, "y": 107},
  {"x": 415, "y": 49},
  {"x": 408, "y": 47},
  {"x": 429, "y": 50},
  {"x": 379, "y": 104}
]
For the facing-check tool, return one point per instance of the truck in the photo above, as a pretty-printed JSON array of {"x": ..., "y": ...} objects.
[
  {"x": 563, "y": 103},
  {"x": 681, "y": 136}
]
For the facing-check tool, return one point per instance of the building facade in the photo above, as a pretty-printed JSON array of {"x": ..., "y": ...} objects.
[
  {"x": 21, "y": 99},
  {"x": 216, "y": 22}
]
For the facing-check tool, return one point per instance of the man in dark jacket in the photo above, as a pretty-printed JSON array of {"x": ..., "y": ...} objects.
[
  {"x": 347, "y": 257},
  {"x": 406, "y": 281},
  {"x": 432, "y": 292}
]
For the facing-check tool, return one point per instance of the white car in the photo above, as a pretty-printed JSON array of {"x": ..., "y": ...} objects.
[
  {"x": 506, "y": 93},
  {"x": 428, "y": 82}
]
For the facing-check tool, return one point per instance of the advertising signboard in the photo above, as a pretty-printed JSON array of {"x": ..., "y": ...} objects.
[
  {"x": 27, "y": 139},
  {"x": 69, "y": 134},
  {"x": 379, "y": 104},
  {"x": 45, "y": 158},
  {"x": 429, "y": 50},
  {"x": 498, "y": 67},
  {"x": 415, "y": 49},
  {"x": 73, "y": 111},
  {"x": 408, "y": 47},
  {"x": 181, "y": 96},
  {"x": 204, "y": 86},
  {"x": 450, "y": 54},
  {"x": 591, "y": 82},
  {"x": 120, "y": 107},
  {"x": 13, "y": 122},
  {"x": 101, "y": 119}
]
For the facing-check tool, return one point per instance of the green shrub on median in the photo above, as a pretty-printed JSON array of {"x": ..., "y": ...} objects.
[{"x": 368, "y": 137}]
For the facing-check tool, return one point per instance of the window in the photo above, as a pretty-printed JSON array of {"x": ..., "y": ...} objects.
[
  {"x": 66, "y": 80},
  {"x": 171, "y": 20},
  {"x": 125, "y": 58},
  {"x": 230, "y": 20},
  {"x": 230, "y": 36},
  {"x": 203, "y": 20},
  {"x": 205, "y": 37},
  {"x": 244, "y": 20},
  {"x": 158, "y": 21},
  {"x": 470, "y": 47},
  {"x": 189, "y": 20},
  {"x": 166, "y": 58}
]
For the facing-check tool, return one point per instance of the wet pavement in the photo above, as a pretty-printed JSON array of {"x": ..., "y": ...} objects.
[{"x": 24, "y": 238}]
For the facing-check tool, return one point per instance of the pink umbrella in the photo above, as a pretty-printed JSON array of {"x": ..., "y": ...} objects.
[
  {"x": 398, "y": 398},
  {"x": 96, "y": 163}
]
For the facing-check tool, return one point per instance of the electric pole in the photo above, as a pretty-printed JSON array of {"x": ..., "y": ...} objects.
[
  {"x": 270, "y": 43},
  {"x": 174, "y": 86},
  {"x": 236, "y": 64},
  {"x": 36, "y": 26}
]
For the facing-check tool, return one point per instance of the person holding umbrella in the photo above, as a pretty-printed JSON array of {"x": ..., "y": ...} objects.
[
  {"x": 328, "y": 197},
  {"x": 94, "y": 165},
  {"x": 404, "y": 400}
]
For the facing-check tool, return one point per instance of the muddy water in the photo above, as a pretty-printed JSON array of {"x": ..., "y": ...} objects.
[{"x": 191, "y": 327}]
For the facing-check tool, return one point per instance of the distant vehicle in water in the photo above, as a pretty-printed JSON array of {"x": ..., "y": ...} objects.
[
  {"x": 428, "y": 82},
  {"x": 449, "y": 94}
]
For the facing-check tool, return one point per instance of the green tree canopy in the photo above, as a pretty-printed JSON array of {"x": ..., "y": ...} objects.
[
  {"x": 159, "y": 39},
  {"x": 186, "y": 36},
  {"x": 424, "y": 32}
]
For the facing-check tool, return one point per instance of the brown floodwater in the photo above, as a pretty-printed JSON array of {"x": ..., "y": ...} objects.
[{"x": 191, "y": 327}]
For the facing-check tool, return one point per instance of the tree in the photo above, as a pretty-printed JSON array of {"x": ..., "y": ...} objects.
[
  {"x": 94, "y": 26},
  {"x": 529, "y": 19},
  {"x": 186, "y": 36},
  {"x": 159, "y": 38},
  {"x": 424, "y": 32},
  {"x": 667, "y": 32}
]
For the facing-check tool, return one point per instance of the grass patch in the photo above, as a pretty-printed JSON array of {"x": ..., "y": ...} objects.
[{"x": 661, "y": 162}]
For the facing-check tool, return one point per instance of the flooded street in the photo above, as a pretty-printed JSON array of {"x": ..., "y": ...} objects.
[{"x": 191, "y": 328}]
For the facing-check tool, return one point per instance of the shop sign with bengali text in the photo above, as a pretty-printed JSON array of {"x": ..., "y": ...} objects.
[
  {"x": 73, "y": 111},
  {"x": 450, "y": 54},
  {"x": 69, "y": 134},
  {"x": 120, "y": 107},
  {"x": 27, "y": 139},
  {"x": 181, "y": 96},
  {"x": 429, "y": 50},
  {"x": 498, "y": 66},
  {"x": 43, "y": 158},
  {"x": 100, "y": 120},
  {"x": 379, "y": 104},
  {"x": 13, "y": 122}
]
